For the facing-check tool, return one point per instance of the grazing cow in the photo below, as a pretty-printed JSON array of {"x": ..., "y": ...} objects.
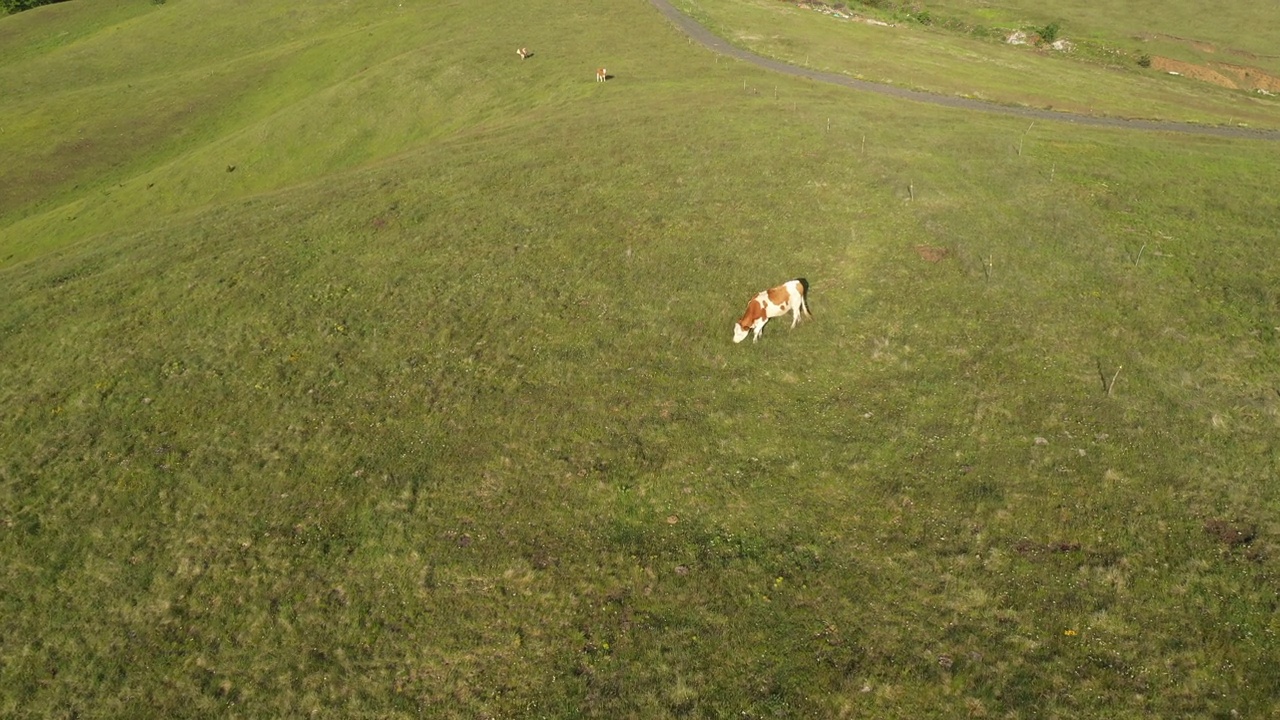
[
  {"x": 787, "y": 297},
  {"x": 523, "y": 53},
  {"x": 601, "y": 75}
]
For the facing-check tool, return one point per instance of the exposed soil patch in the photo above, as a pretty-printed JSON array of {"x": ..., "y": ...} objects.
[
  {"x": 1236, "y": 77},
  {"x": 1250, "y": 78},
  {"x": 1195, "y": 72}
]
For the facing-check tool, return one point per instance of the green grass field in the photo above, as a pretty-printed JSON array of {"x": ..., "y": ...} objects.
[
  {"x": 353, "y": 367},
  {"x": 962, "y": 51}
]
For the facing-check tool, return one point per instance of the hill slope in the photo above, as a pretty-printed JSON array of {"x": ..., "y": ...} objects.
[
  {"x": 429, "y": 407},
  {"x": 120, "y": 122},
  {"x": 1110, "y": 64}
]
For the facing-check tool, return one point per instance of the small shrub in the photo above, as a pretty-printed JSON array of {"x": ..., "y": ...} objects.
[
  {"x": 1048, "y": 33},
  {"x": 1144, "y": 60}
]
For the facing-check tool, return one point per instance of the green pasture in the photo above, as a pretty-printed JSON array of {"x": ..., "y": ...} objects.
[
  {"x": 353, "y": 367},
  {"x": 1233, "y": 32},
  {"x": 961, "y": 51}
]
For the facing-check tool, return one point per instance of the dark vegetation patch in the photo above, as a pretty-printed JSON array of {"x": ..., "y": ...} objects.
[
  {"x": 1231, "y": 533},
  {"x": 933, "y": 254},
  {"x": 1031, "y": 549}
]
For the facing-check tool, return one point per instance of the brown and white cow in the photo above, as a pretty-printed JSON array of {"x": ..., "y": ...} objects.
[
  {"x": 601, "y": 74},
  {"x": 523, "y": 53},
  {"x": 787, "y": 297}
]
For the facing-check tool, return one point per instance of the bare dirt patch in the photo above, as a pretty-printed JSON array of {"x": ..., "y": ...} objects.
[
  {"x": 1251, "y": 78},
  {"x": 1222, "y": 74},
  {"x": 1236, "y": 77},
  {"x": 1191, "y": 70},
  {"x": 933, "y": 254}
]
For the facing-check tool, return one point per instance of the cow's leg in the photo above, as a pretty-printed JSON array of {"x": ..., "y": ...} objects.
[{"x": 796, "y": 310}]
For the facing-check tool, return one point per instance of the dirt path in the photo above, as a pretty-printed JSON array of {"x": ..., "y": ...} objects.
[{"x": 704, "y": 37}]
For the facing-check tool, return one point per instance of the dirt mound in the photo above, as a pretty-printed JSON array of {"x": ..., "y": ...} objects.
[
  {"x": 1236, "y": 77},
  {"x": 1251, "y": 78}
]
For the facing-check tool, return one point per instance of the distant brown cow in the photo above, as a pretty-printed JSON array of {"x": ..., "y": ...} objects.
[
  {"x": 523, "y": 53},
  {"x": 601, "y": 75}
]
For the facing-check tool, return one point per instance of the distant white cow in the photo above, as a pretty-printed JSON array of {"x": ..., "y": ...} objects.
[
  {"x": 601, "y": 74},
  {"x": 787, "y": 297},
  {"x": 523, "y": 53}
]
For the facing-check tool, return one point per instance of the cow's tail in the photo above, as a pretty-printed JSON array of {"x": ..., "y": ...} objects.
[{"x": 804, "y": 294}]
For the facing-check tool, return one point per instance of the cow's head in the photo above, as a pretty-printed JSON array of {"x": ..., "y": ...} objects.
[{"x": 740, "y": 333}]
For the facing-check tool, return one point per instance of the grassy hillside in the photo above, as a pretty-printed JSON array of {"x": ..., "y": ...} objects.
[
  {"x": 1235, "y": 32},
  {"x": 429, "y": 406},
  {"x": 958, "y": 48}
]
